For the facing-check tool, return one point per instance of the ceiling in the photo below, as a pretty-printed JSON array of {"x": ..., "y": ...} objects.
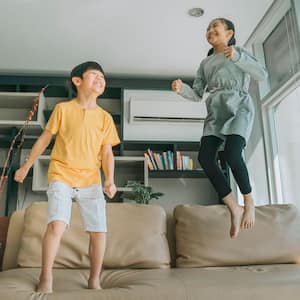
[{"x": 128, "y": 37}]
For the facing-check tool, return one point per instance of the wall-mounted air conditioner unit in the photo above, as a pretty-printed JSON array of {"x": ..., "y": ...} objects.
[
  {"x": 161, "y": 116},
  {"x": 164, "y": 111}
]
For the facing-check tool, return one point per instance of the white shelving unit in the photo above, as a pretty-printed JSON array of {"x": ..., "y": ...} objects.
[
  {"x": 40, "y": 171},
  {"x": 130, "y": 168},
  {"x": 126, "y": 168},
  {"x": 14, "y": 109}
]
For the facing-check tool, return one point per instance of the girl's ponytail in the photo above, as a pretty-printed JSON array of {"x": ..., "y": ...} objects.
[
  {"x": 210, "y": 52},
  {"x": 232, "y": 41}
]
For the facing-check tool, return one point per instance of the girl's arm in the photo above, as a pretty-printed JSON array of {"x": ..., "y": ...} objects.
[
  {"x": 249, "y": 64},
  {"x": 196, "y": 92}
]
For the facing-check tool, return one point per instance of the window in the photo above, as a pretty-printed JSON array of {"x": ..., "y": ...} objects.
[
  {"x": 281, "y": 50},
  {"x": 276, "y": 42},
  {"x": 287, "y": 124}
]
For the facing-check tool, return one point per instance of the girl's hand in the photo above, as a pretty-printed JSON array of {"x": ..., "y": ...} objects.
[
  {"x": 229, "y": 52},
  {"x": 109, "y": 189},
  {"x": 177, "y": 85},
  {"x": 21, "y": 174}
]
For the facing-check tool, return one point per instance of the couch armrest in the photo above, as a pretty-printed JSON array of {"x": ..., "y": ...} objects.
[{"x": 4, "y": 221}]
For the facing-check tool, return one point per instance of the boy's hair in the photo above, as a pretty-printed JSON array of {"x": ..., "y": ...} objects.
[
  {"x": 82, "y": 68},
  {"x": 230, "y": 26}
]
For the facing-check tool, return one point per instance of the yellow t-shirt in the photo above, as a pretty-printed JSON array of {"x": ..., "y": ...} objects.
[{"x": 80, "y": 134}]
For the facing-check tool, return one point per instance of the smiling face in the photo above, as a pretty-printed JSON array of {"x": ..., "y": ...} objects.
[
  {"x": 92, "y": 81},
  {"x": 217, "y": 33}
]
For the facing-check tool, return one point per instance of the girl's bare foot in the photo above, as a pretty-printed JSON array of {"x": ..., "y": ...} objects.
[
  {"x": 248, "y": 219},
  {"x": 236, "y": 213},
  {"x": 94, "y": 284},
  {"x": 45, "y": 285},
  {"x": 236, "y": 219}
]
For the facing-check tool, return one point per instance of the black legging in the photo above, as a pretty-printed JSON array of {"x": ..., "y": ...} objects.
[{"x": 207, "y": 157}]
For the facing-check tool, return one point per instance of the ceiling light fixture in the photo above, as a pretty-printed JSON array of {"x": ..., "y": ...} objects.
[{"x": 196, "y": 12}]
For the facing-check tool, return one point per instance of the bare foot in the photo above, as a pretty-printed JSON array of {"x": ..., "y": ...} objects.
[
  {"x": 236, "y": 219},
  {"x": 45, "y": 285},
  {"x": 94, "y": 284},
  {"x": 248, "y": 219}
]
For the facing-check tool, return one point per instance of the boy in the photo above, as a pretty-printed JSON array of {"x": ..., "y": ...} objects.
[{"x": 85, "y": 134}]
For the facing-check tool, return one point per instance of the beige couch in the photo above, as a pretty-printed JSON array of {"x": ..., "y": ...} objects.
[{"x": 260, "y": 264}]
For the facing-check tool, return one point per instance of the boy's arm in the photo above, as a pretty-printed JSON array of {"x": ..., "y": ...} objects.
[
  {"x": 108, "y": 167},
  {"x": 38, "y": 148}
]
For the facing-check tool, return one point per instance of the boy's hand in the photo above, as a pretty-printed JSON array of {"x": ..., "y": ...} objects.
[
  {"x": 21, "y": 174},
  {"x": 229, "y": 52},
  {"x": 177, "y": 85},
  {"x": 109, "y": 189}
]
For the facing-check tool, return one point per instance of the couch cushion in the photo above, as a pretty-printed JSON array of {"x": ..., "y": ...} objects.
[
  {"x": 136, "y": 238},
  {"x": 3, "y": 234},
  {"x": 13, "y": 241},
  {"x": 202, "y": 237},
  {"x": 274, "y": 282}
]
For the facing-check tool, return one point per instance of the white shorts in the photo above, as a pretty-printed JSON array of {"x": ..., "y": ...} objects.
[{"x": 90, "y": 199}]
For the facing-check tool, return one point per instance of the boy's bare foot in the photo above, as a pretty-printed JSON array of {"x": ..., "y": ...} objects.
[
  {"x": 45, "y": 285},
  {"x": 248, "y": 219},
  {"x": 236, "y": 219},
  {"x": 94, "y": 284}
]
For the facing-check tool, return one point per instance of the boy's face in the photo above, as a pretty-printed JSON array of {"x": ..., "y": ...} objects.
[{"x": 91, "y": 81}]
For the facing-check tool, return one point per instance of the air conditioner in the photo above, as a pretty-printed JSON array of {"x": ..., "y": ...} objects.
[
  {"x": 165, "y": 111},
  {"x": 160, "y": 115}
]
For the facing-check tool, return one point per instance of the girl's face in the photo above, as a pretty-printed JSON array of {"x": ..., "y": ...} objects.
[{"x": 217, "y": 33}]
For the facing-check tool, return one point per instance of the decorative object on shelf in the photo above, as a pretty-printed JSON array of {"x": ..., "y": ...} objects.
[
  {"x": 12, "y": 154},
  {"x": 140, "y": 193}
]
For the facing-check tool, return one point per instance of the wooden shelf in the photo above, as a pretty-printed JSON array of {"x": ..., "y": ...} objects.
[
  {"x": 177, "y": 174},
  {"x": 14, "y": 108},
  {"x": 126, "y": 168},
  {"x": 116, "y": 116}
]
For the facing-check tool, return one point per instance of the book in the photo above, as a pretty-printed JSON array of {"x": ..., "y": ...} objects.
[
  {"x": 165, "y": 159},
  {"x": 157, "y": 160},
  {"x": 149, "y": 163},
  {"x": 178, "y": 161},
  {"x": 152, "y": 159},
  {"x": 161, "y": 160},
  {"x": 191, "y": 164},
  {"x": 170, "y": 159}
]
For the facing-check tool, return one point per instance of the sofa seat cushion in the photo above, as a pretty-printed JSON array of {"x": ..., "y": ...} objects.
[
  {"x": 136, "y": 238},
  {"x": 202, "y": 237},
  {"x": 274, "y": 282}
]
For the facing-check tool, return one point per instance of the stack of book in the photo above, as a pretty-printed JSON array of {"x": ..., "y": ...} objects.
[{"x": 167, "y": 160}]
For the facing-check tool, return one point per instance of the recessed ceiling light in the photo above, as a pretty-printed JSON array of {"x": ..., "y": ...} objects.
[{"x": 196, "y": 12}]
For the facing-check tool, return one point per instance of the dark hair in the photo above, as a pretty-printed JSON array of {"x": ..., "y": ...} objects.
[
  {"x": 82, "y": 68},
  {"x": 230, "y": 26}
]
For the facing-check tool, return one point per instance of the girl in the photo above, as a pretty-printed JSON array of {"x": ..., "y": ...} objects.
[{"x": 225, "y": 74}]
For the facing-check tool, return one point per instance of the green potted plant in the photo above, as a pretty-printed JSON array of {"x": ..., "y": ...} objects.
[{"x": 140, "y": 193}]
